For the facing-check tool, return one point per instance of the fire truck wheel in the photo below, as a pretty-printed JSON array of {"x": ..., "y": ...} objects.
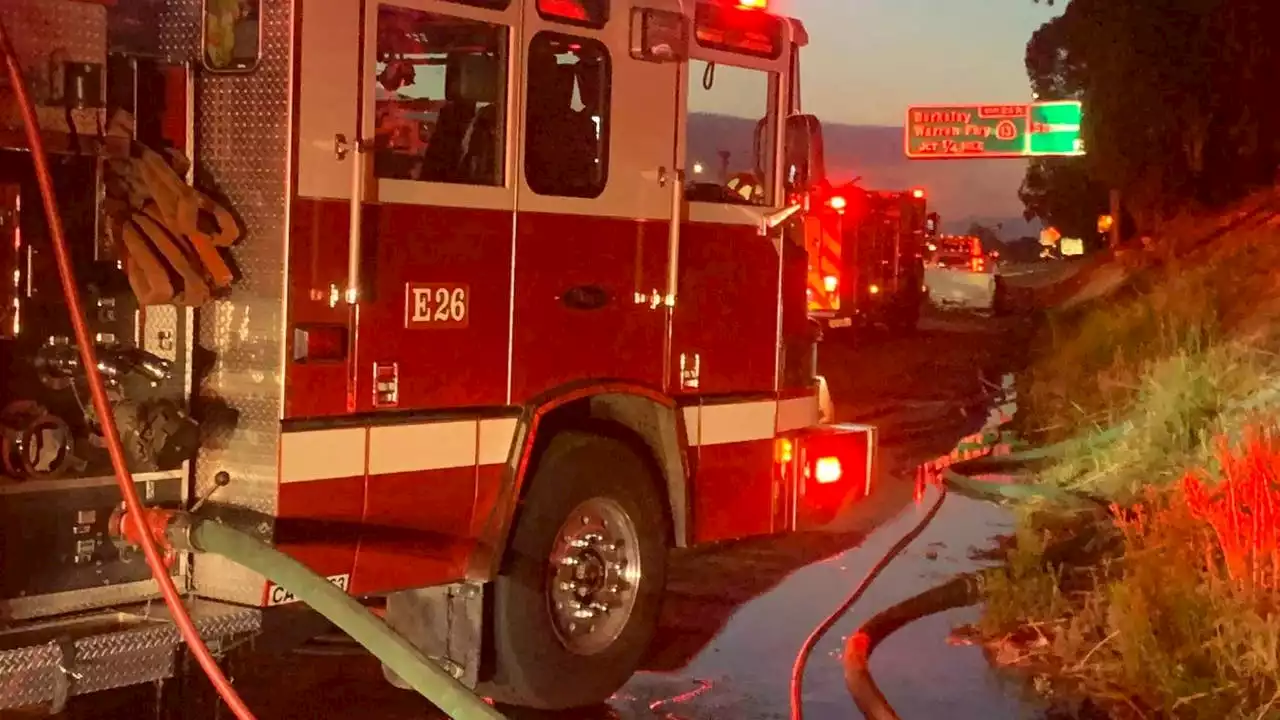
[
  {"x": 578, "y": 600},
  {"x": 907, "y": 317}
]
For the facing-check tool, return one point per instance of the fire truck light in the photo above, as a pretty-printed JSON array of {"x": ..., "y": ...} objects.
[
  {"x": 933, "y": 248},
  {"x": 830, "y": 282},
  {"x": 838, "y": 203},
  {"x": 917, "y": 193},
  {"x": 784, "y": 451},
  {"x": 874, "y": 289},
  {"x": 754, "y": 4},
  {"x": 697, "y": 168},
  {"x": 827, "y": 470}
]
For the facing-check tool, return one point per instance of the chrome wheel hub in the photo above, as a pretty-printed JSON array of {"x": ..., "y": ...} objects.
[{"x": 593, "y": 576}]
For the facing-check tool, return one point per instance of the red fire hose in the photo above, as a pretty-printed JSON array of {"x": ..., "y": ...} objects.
[{"x": 89, "y": 360}]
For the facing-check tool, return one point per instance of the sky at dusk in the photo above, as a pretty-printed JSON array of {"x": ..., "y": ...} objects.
[{"x": 869, "y": 59}]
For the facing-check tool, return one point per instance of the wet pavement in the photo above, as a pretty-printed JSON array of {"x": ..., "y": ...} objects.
[
  {"x": 735, "y": 615},
  {"x": 745, "y": 671}
]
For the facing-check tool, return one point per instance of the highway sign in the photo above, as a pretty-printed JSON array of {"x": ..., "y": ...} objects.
[
  {"x": 1054, "y": 129},
  {"x": 993, "y": 131}
]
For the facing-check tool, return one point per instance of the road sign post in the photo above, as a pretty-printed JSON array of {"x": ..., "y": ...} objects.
[{"x": 1041, "y": 129}]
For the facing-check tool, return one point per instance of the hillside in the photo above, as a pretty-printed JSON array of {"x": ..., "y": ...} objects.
[
  {"x": 1158, "y": 368},
  {"x": 962, "y": 191}
]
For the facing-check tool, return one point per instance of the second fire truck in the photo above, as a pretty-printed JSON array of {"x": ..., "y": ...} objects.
[
  {"x": 866, "y": 252},
  {"x": 418, "y": 292}
]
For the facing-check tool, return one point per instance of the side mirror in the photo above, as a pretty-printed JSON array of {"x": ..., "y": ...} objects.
[
  {"x": 231, "y": 35},
  {"x": 804, "y": 159}
]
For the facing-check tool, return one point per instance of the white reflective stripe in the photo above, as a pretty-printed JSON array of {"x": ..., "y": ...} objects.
[
  {"x": 496, "y": 437},
  {"x": 871, "y": 450},
  {"x": 339, "y": 453},
  {"x": 796, "y": 413},
  {"x": 871, "y": 454},
  {"x": 322, "y": 455},
  {"x": 414, "y": 448},
  {"x": 692, "y": 425},
  {"x": 737, "y": 422}
]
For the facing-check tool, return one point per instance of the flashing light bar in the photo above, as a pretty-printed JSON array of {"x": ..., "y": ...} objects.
[{"x": 753, "y": 4}]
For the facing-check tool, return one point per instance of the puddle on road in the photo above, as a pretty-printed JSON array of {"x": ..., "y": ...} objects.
[{"x": 744, "y": 672}]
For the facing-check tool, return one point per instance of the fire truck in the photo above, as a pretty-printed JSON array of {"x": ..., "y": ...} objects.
[
  {"x": 960, "y": 273},
  {"x": 482, "y": 376},
  {"x": 866, "y": 253}
]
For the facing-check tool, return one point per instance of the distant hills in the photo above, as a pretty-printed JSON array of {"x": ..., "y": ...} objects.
[{"x": 961, "y": 191}]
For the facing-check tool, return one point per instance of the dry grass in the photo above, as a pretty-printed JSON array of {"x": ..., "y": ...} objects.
[
  {"x": 1147, "y": 621},
  {"x": 1149, "y": 625}
]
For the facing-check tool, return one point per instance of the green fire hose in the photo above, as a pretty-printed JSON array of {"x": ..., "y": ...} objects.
[
  {"x": 960, "y": 476},
  {"x": 406, "y": 661},
  {"x": 962, "y": 590}
]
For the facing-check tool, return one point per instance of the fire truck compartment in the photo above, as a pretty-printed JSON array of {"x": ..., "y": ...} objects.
[{"x": 49, "y": 661}]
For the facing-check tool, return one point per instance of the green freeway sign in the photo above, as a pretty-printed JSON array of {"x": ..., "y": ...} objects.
[
  {"x": 1055, "y": 129},
  {"x": 994, "y": 131}
]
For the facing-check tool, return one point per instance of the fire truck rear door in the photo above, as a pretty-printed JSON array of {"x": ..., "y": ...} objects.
[{"x": 594, "y": 203}]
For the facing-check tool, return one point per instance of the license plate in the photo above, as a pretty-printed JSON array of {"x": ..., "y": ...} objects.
[
  {"x": 841, "y": 322},
  {"x": 277, "y": 595}
]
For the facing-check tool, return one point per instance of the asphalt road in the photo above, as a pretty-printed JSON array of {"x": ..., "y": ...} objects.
[{"x": 735, "y": 614}]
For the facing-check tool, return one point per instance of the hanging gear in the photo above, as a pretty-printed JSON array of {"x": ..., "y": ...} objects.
[{"x": 167, "y": 232}]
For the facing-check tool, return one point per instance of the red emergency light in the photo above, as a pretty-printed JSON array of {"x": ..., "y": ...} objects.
[
  {"x": 917, "y": 193},
  {"x": 838, "y": 203},
  {"x": 827, "y": 470},
  {"x": 753, "y": 4}
]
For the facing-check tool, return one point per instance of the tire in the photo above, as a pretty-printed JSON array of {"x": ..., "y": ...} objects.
[
  {"x": 907, "y": 319},
  {"x": 540, "y": 661}
]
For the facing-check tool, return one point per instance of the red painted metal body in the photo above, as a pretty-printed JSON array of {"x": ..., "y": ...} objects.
[
  {"x": 554, "y": 344},
  {"x": 728, "y": 311}
]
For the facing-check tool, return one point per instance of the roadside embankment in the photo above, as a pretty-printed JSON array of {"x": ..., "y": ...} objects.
[{"x": 1170, "y": 603}]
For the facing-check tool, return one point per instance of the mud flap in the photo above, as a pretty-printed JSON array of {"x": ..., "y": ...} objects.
[{"x": 445, "y": 623}]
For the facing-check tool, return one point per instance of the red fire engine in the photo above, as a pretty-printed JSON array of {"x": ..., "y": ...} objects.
[
  {"x": 866, "y": 256},
  {"x": 431, "y": 308}
]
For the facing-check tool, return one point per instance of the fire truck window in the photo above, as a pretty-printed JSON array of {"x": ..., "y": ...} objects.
[
  {"x": 440, "y": 85},
  {"x": 726, "y": 106},
  {"x": 567, "y": 120},
  {"x": 232, "y": 36}
]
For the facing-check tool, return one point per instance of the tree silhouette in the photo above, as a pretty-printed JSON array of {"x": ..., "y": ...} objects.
[{"x": 1180, "y": 105}]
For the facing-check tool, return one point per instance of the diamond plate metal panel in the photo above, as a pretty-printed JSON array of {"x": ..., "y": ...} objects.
[
  {"x": 79, "y": 600},
  {"x": 102, "y": 661},
  {"x": 42, "y": 30},
  {"x": 242, "y": 146}
]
